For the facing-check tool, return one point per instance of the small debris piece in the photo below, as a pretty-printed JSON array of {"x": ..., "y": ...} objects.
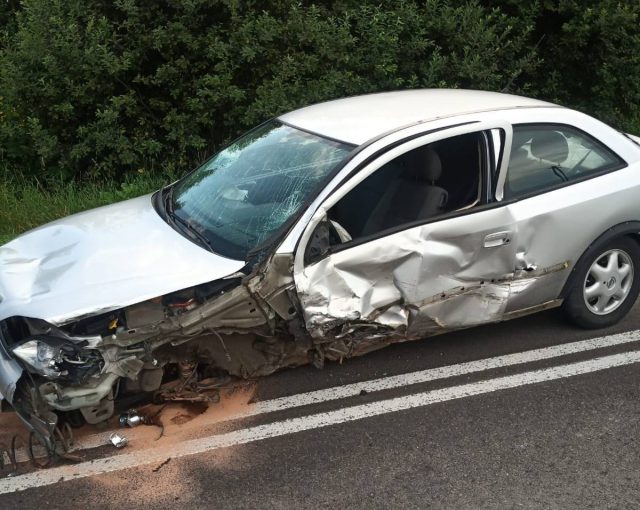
[
  {"x": 71, "y": 458},
  {"x": 369, "y": 438},
  {"x": 160, "y": 466},
  {"x": 132, "y": 418},
  {"x": 363, "y": 393},
  {"x": 118, "y": 441}
]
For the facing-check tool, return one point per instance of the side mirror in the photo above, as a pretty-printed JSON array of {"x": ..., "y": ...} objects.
[{"x": 319, "y": 243}]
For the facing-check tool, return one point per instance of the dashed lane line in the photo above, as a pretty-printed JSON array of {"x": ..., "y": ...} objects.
[
  {"x": 396, "y": 381},
  {"x": 314, "y": 421}
]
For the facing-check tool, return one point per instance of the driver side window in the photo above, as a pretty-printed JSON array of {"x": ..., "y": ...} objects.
[
  {"x": 416, "y": 187},
  {"x": 545, "y": 156},
  {"x": 419, "y": 185}
]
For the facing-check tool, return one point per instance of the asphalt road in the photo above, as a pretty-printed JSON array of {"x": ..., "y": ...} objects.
[{"x": 548, "y": 428}]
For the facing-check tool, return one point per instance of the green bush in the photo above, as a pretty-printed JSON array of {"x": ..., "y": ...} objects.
[
  {"x": 590, "y": 55},
  {"x": 97, "y": 89}
]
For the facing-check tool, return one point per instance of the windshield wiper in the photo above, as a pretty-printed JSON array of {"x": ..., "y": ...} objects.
[
  {"x": 168, "y": 201},
  {"x": 184, "y": 226}
]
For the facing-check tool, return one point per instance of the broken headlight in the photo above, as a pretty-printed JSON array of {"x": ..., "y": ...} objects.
[
  {"x": 55, "y": 358},
  {"x": 41, "y": 357}
]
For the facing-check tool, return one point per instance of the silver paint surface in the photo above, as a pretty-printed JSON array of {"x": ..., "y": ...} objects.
[
  {"x": 359, "y": 119},
  {"x": 449, "y": 274},
  {"x": 416, "y": 281},
  {"x": 100, "y": 260}
]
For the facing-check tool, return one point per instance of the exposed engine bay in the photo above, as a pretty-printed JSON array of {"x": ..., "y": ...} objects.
[{"x": 179, "y": 347}]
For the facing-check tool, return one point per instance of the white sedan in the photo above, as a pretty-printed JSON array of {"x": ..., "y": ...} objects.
[{"x": 323, "y": 234}]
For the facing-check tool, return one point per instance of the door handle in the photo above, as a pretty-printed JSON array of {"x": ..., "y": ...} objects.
[{"x": 497, "y": 239}]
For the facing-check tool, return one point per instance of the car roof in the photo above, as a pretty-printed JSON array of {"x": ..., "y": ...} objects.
[{"x": 358, "y": 119}]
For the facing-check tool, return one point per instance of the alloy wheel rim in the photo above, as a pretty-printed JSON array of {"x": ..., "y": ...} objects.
[{"x": 608, "y": 282}]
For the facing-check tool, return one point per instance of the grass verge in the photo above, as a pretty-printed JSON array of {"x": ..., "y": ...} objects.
[{"x": 25, "y": 205}]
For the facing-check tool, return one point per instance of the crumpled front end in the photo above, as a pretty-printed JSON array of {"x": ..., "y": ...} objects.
[
  {"x": 101, "y": 260},
  {"x": 181, "y": 346},
  {"x": 87, "y": 300}
]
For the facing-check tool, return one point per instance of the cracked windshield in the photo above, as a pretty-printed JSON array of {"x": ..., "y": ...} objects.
[{"x": 244, "y": 194}]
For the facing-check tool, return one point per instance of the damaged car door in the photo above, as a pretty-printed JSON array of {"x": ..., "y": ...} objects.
[{"x": 412, "y": 245}]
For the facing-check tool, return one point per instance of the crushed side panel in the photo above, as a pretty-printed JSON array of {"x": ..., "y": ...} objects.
[{"x": 423, "y": 281}]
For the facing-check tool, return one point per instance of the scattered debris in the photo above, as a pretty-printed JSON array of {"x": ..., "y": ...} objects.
[
  {"x": 118, "y": 441},
  {"x": 160, "y": 466},
  {"x": 71, "y": 457},
  {"x": 64, "y": 441},
  {"x": 132, "y": 418},
  {"x": 15, "y": 449},
  {"x": 191, "y": 387},
  {"x": 191, "y": 410},
  {"x": 369, "y": 438}
]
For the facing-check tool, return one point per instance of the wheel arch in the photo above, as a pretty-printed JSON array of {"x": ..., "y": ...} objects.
[{"x": 629, "y": 229}]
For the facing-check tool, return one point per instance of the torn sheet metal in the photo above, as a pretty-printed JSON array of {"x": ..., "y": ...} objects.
[
  {"x": 422, "y": 281},
  {"x": 406, "y": 272},
  {"x": 124, "y": 302},
  {"x": 463, "y": 306}
]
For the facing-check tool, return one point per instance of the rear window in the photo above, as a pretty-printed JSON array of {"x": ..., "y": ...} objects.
[{"x": 546, "y": 156}]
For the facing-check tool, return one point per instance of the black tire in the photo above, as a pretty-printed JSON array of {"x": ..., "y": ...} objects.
[{"x": 576, "y": 307}]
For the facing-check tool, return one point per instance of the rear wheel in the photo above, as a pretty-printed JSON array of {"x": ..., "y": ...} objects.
[{"x": 605, "y": 285}]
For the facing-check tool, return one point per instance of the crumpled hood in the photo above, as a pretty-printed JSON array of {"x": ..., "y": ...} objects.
[{"x": 101, "y": 260}]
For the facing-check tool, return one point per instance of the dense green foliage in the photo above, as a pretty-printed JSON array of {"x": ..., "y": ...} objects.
[{"x": 99, "y": 89}]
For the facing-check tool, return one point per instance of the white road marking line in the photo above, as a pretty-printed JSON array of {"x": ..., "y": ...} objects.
[
  {"x": 433, "y": 374},
  {"x": 397, "y": 381},
  {"x": 314, "y": 421}
]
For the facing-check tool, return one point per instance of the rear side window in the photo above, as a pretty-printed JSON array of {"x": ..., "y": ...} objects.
[{"x": 546, "y": 156}]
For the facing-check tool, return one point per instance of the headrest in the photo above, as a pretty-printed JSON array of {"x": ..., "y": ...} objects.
[
  {"x": 423, "y": 164},
  {"x": 550, "y": 145}
]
